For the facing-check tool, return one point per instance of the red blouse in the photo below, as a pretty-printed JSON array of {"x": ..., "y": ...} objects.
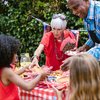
[
  {"x": 52, "y": 49},
  {"x": 9, "y": 92}
]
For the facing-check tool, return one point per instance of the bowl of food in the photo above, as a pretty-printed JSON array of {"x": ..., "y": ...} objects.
[{"x": 58, "y": 79}]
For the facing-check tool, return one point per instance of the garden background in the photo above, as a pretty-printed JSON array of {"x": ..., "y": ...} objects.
[{"x": 16, "y": 20}]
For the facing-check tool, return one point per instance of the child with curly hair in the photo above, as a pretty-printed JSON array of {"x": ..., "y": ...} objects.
[{"x": 9, "y": 80}]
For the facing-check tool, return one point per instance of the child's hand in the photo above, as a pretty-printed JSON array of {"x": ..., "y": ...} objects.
[
  {"x": 47, "y": 69},
  {"x": 44, "y": 73},
  {"x": 26, "y": 69},
  {"x": 58, "y": 92},
  {"x": 23, "y": 69}
]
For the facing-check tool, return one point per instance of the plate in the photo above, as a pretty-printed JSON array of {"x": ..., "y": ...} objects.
[
  {"x": 59, "y": 86},
  {"x": 71, "y": 53}
]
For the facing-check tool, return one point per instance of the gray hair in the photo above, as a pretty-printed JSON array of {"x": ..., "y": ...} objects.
[{"x": 59, "y": 21}]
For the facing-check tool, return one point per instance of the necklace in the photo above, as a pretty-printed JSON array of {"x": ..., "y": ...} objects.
[{"x": 57, "y": 56}]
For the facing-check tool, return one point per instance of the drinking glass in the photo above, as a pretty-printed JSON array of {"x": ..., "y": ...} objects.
[{"x": 25, "y": 59}]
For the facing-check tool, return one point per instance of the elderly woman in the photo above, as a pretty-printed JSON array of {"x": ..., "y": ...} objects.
[{"x": 51, "y": 43}]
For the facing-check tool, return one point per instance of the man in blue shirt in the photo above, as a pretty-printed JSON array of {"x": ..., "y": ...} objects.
[{"x": 90, "y": 11}]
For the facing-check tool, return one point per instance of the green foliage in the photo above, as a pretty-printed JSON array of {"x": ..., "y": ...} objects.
[{"x": 16, "y": 20}]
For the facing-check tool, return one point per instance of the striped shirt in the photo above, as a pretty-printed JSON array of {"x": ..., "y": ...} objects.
[{"x": 92, "y": 21}]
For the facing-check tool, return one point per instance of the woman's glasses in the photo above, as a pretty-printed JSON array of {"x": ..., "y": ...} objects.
[{"x": 63, "y": 17}]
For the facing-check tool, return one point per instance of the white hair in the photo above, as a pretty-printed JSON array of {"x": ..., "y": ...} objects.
[{"x": 58, "y": 23}]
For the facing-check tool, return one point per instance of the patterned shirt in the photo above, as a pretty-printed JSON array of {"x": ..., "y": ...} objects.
[{"x": 92, "y": 21}]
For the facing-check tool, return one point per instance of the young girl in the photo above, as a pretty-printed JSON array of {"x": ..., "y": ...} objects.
[
  {"x": 9, "y": 80},
  {"x": 84, "y": 77}
]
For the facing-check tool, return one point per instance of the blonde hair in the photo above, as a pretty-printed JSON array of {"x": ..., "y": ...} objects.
[
  {"x": 84, "y": 77},
  {"x": 58, "y": 22}
]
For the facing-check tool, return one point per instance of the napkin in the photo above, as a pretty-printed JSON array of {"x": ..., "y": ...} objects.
[{"x": 67, "y": 44}]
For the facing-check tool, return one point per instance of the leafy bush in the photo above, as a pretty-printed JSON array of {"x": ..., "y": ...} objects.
[{"x": 16, "y": 20}]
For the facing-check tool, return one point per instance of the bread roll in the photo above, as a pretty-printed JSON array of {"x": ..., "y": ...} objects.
[{"x": 63, "y": 79}]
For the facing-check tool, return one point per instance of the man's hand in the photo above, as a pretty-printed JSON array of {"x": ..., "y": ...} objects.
[
  {"x": 65, "y": 66},
  {"x": 83, "y": 48}
]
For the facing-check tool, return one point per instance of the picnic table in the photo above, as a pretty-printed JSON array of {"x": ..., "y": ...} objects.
[
  {"x": 38, "y": 93},
  {"x": 41, "y": 92}
]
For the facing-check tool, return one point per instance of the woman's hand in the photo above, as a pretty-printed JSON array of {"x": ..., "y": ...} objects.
[
  {"x": 47, "y": 69},
  {"x": 37, "y": 53},
  {"x": 34, "y": 62}
]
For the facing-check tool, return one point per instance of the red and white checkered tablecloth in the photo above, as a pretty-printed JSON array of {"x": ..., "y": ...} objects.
[{"x": 40, "y": 92}]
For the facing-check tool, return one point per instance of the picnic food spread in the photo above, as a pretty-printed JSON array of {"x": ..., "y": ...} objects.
[
  {"x": 56, "y": 78},
  {"x": 59, "y": 77}
]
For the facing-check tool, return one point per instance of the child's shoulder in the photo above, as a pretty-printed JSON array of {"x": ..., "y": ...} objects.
[
  {"x": 6, "y": 74},
  {"x": 7, "y": 71}
]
